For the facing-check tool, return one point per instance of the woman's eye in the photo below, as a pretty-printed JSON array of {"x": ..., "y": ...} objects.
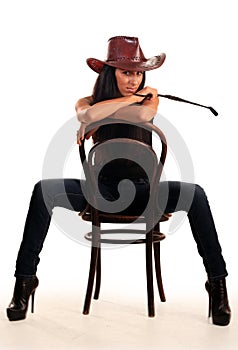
[{"x": 128, "y": 73}]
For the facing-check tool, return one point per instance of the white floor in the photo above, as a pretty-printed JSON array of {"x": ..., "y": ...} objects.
[
  {"x": 58, "y": 323},
  {"x": 118, "y": 320}
]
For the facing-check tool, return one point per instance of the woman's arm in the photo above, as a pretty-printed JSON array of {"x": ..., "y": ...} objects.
[
  {"x": 88, "y": 114},
  {"x": 140, "y": 113},
  {"x": 117, "y": 108},
  {"x": 126, "y": 108}
]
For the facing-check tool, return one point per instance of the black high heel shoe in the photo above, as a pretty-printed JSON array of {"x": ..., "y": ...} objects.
[
  {"x": 24, "y": 288},
  {"x": 219, "y": 307}
]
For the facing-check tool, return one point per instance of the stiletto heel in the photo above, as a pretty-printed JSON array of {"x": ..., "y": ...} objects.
[
  {"x": 218, "y": 306},
  {"x": 25, "y": 288},
  {"x": 209, "y": 306},
  {"x": 32, "y": 302},
  {"x": 207, "y": 286}
]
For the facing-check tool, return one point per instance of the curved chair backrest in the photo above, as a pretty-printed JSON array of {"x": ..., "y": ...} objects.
[{"x": 116, "y": 149}]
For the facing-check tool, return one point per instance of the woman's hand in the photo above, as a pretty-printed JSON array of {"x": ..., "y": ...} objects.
[
  {"x": 149, "y": 90},
  {"x": 81, "y": 133},
  {"x": 82, "y": 130}
]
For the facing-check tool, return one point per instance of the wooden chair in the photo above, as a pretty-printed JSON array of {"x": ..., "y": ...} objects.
[{"x": 151, "y": 217}]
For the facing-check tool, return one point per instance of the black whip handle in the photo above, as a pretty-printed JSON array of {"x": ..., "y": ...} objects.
[{"x": 175, "y": 98}]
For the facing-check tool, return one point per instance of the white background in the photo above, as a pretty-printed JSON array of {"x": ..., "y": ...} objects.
[{"x": 44, "y": 45}]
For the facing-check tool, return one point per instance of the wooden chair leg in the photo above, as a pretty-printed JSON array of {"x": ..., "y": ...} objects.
[
  {"x": 149, "y": 274},
  {"x": 158, "y": 271},
  {"x": 92, "y": 270},
  {"x": 98, "y": 275},
  {"x": 93, "y": 264}
]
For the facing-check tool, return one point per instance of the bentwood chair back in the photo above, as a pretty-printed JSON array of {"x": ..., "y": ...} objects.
[{"x": 99, "y": 211}]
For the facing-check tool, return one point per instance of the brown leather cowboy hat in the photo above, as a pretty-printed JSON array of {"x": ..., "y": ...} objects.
[{"x": 124, "y": 52}]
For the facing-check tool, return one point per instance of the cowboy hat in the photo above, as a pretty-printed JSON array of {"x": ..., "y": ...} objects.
[{"x": 124, "y": 52}]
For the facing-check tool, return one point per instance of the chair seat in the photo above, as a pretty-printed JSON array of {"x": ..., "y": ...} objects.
[{"x": 113, "y": 218}]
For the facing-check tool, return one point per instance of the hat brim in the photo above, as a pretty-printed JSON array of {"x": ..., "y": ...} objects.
[{"x": 146, "y": 65}]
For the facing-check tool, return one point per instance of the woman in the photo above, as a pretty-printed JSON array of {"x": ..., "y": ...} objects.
[{"x": 121, "y": 76}]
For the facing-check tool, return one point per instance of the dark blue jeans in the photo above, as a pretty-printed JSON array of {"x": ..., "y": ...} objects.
[{"x": 67, "y": 193}]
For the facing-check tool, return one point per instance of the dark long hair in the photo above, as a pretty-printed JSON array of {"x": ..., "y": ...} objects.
[{"x": 105, "y": 87}]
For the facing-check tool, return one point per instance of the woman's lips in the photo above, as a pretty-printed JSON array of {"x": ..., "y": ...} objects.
[{"x": 130, "y": 90}]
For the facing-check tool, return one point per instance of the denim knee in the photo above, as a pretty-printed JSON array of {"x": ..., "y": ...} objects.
[
  {"x": 42, "y": 195},
  {"x": 199, "y": 193},
  {"x": 37, "y": 187}
]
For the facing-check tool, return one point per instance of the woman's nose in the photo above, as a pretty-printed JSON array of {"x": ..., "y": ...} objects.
[{"x": 133, "y": 80}]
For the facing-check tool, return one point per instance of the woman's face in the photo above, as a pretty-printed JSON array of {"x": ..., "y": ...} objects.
[{"x": 128, "y": 82}]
